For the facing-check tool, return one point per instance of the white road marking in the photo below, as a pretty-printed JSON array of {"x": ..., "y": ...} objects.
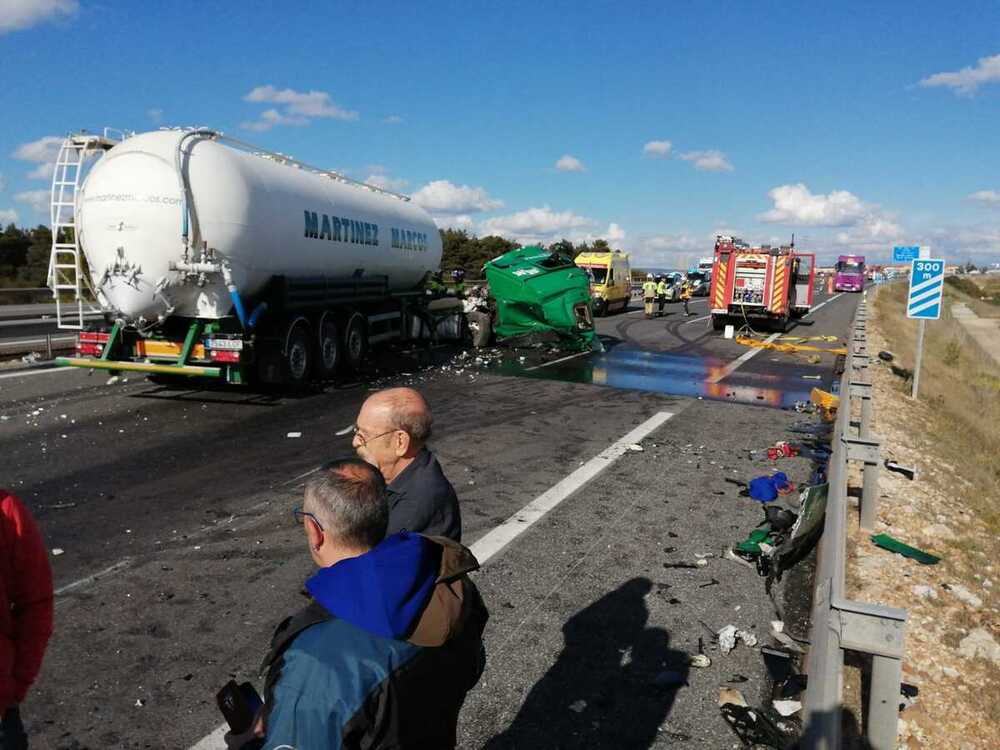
[
  {"x": 824, "y": 302},
  {"x": 494, "y": 541},
  {"x": 491, "y": 543},
  {"x": 744, "y": 358},
  {"x": 91, "y": 578},
  {"x": 27, "y": 373},
  {"x": 703, "y": 317},
  {"x": 556, "y": 361},
  {"x": 737, "y": 363}
]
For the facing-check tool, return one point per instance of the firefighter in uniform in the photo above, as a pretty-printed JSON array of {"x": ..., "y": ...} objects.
[
  {"x": 687, "y": 292},
  {"x": 662, "y": 287},
  {"x": 649, "y": 294}
]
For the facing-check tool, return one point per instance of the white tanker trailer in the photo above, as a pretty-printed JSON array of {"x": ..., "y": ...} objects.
[{"x": 213, "y": 259}]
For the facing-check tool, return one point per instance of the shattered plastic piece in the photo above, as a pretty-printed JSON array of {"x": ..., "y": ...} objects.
[
  {"x": 294, "y": 435},
  {"x": 700, "y": 660},
  {"x": 885, "y": 541},
  {"x": 812, "y": 377},
  {"x": 787, "y": 708},
  {"x": 732, "y": 696},
  {"x": 636, "y": 447},
  {"x": 112, "y": 380},
  {"x": 701, "y": 563},
  {"x": 786, "y": 640},
  {"x": 749, "y": 639},
  {"x": 727, "y": 639},
  {"x": 578, "y": 706},
  {"x": 140, "y": 702},
  {"x": 56, "y": 551}
]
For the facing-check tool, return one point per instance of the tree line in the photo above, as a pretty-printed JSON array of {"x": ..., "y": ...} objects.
[
  {"x": 24, "y": 256},
  {"x": 469, "y": 252}
]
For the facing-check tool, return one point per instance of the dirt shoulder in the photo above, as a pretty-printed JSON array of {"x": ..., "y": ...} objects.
[{"x": 951, "y": 436}]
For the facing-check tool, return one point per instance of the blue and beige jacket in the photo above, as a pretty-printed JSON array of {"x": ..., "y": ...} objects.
[{"x": 383, "y": 655}]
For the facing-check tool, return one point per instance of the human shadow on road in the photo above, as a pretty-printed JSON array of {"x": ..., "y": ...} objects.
[{"x": 609, "y": 687}]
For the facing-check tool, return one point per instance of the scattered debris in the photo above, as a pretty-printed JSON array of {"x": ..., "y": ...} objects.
[
  {"x": 901, "y": 372},
  {"x": 779, "y": 634},
  {"x": 885, "y": 541},
  {"x": 636, "y": 447},
  {"x": 700, "y": 660},
  {"x": 701, "y": 563},
  {"x": 294, "y": 435},
  {"x": 692, "y": 566},
  {"x": 578, "y": 706},
  {"x": 140, "y": 702},
  {"x": 904, "y": 470},
  {"x": 886, "y": 356},
  {"x": 30, "y": 359},
  {"x": 825, "y": 402},
  {"x": 713, "y": 582},
  {"x": 812, "y": 377},
  {"x": 729, "y": 635},
  {"x": 787, "y": 708},
  {"x": 61, "y": 506},
  {"x": 112, "y": 380},
  {"x": 56, "y": 551},
  {"x": 753, "y": 726}
]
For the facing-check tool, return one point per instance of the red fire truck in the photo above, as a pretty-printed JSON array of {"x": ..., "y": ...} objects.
[{"x": 762, "y": 287}]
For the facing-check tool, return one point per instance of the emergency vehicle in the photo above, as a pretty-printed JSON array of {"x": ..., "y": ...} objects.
[{"x": 759, "y": 286}]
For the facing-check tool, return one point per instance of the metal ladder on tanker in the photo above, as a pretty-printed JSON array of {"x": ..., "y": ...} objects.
[{"x": 65, "y": 271}]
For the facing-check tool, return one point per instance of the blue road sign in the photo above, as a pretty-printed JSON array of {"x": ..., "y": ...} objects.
[
  {"x": 926, "y": 289},
  {"x": 905, "y": 254}
]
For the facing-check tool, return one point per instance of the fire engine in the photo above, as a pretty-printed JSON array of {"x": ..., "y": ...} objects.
[{"x": 763, "y": 286}]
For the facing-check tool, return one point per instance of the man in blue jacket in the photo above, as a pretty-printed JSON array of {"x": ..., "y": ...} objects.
[{"x": 391, "y": 642}]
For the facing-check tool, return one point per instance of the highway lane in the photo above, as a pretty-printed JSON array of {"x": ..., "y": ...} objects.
[{"x": 183, "y": 497}]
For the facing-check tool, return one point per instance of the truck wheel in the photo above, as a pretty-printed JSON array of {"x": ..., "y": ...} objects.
[
  {"x": 356, "y": 341},
  {"x": 298, "y": 356},
  {"x": 329, "y": 347}
]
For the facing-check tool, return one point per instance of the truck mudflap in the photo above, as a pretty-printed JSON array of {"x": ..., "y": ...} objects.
[
  {"x": 541, "y": 292},
  {"x": 92, "y": 363}
]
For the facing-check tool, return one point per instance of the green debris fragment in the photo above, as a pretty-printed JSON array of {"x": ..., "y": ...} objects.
[
  {"x": 894, "y": 545},
  {"x": 751, "y": 545}
]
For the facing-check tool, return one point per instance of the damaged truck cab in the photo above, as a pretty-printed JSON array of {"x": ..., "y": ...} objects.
[{"x": 538, "y": 291}]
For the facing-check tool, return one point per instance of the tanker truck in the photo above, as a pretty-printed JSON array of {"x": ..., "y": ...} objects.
[{"x": 212, "y": 258}]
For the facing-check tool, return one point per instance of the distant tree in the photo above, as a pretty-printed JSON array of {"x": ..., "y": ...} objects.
[
  {"x": 14, "y": 244},
  {"x": 564, "y": 247}
]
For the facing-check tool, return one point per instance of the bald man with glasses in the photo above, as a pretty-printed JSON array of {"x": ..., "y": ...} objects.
[{"x": 391, "y": 433}]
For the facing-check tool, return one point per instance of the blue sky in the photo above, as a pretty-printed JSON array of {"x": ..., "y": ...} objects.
[{"x": 856, "y": 126}]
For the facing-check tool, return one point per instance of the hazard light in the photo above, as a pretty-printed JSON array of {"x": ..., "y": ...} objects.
[
  {"x": 91, "y": 343},
  {"x": 224, "y": 355}
]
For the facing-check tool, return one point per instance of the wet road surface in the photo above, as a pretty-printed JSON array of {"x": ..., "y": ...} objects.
[{"x": 180, "y": 553}]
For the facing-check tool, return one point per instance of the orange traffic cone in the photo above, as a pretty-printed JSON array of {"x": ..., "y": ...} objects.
[{"x": 829, "y": 284}]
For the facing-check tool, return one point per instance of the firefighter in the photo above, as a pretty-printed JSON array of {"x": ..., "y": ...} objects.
[
  {"x": 687, "y": 292},
  {"x": 649, "y": 294},
  {"x": 662, "y": 287}
]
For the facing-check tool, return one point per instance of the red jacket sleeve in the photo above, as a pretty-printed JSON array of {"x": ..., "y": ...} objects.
[{"x": 29, "y": 592}]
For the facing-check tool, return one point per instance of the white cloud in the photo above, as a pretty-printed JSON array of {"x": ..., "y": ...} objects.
[
  {"x": 269, "y": 118},
  {"x": 44, "y": 152},
  {"x": 392, "y": 120},
  {"x": 708, "y": 161},
  {"x": 872, "y": 234},
  {"x": 795, "y": 204},
  {"x": 986, "y": 197},
  {"x": 23, "y": 14},
  {"x": 7, "y": 216},
  {"x": 462, "y": 221},
  {"x": 670, "y": 251},
  {"x": 657, "y": 149},
  {"x": 381, "y": 180},
  {"x": 444, "y": 197},
  {"x": 537, "y": 225},
  {"x": 569, "y": 163},
  {"x": 38, "y": 200},
  {"x": 155, "y": 115},
  {"x": 301, "y": 103},
  {"x": 968, "y": 79}
]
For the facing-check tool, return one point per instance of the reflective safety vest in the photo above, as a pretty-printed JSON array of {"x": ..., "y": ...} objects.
[
  {"x": 661, "y": 288},
  {"x": 649, "y": 289},
  {"x": 687, "y": 291}
]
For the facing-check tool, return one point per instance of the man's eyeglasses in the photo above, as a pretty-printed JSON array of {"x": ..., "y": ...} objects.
[
  {"x": 365, "y": 440},
  {"x": 299, "y": 514}
]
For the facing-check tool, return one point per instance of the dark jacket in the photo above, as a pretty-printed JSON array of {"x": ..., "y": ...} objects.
[
  {"x": 384, "y": 654},
  {"x": 422, "y": 500},
  {"x": 25, "y": 600}
]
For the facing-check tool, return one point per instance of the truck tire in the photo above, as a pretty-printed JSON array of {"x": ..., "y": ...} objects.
[
  {"x": 329, "y": 348},
  {"x": 355, "y": 342},
  {"x": 298, "y": 355}
]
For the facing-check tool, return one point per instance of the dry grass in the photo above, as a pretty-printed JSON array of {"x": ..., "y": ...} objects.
[
  {"x": 981, "y": 293},
  {"x": 952, "y": 436},
  {"x": 959, "y": 383}
]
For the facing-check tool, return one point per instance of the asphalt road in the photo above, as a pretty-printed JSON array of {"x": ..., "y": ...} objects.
[{"x": 172, "y": 508}]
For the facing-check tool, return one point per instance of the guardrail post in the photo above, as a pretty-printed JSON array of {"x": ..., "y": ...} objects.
[
  {"x": 48, "y": 346},
  {"x": 867, "y": 451}
]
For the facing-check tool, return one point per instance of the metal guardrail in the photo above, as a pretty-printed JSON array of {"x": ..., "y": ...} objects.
[
  {"x": 48, "y": 344},
  {"x": 839, "y": 624}
]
